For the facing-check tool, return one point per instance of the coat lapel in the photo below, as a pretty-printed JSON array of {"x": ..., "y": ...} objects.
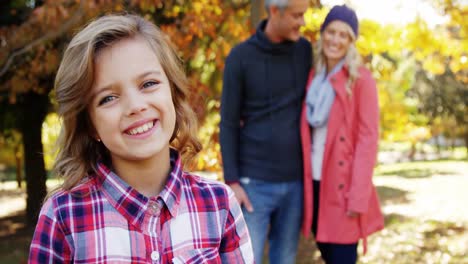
[{"x": 337, "y": 113}]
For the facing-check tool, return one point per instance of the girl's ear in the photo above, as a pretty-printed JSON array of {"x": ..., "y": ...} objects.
[
  {"x": 176, "y": 130},
  {"x": 92, "y": 131},
  {"x": 95, "y": 135}
]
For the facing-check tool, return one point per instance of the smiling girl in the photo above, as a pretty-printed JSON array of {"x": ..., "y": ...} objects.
[{"x": 127, "y": 126}]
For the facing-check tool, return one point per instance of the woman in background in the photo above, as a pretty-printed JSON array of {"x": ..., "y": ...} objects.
[{"x": 339, "y": 131}]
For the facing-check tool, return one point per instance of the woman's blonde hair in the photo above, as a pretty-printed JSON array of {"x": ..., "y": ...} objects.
[
  {"x": 352, "y": 59},
  {"x": 78, "y": 151}
]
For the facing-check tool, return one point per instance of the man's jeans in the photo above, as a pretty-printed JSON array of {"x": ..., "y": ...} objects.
[{"x": 278, "y": 213}]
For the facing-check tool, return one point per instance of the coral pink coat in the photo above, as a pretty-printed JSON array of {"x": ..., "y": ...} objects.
[{"x": 348, "y": 163}]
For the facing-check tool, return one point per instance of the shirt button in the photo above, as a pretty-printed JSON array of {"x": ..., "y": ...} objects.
[
  {"x": 154, "y": 208},
  {"x": 340, "y": 163},
  {"x": 342, "y": 138},
  {"x": 155, "y": 255}
]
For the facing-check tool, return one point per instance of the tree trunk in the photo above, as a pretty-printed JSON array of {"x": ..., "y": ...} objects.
[
  {"x": 466, "y": 142},
  {"x": 35, "y": 109},
  {"x": 437, "y": 142},
  {"x": 257, "y": 13},
  {"x": 19, "y": 168},
  {"x": 412, "y": 152}
]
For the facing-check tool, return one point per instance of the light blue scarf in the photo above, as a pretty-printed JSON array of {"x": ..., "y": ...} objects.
[{"x": 320, "y": 97}]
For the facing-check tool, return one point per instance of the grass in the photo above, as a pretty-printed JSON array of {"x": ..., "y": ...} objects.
[
  {"x": 406, "y": 240},
  {"x": 406, "y": 145},
  {"x": 419, "y": 239},
  {"x": 412, "y": 239},
  {"x": 421, "y": 169}
]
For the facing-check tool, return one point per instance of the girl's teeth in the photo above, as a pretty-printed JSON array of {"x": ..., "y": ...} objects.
[{"x": 141, "y": 129}]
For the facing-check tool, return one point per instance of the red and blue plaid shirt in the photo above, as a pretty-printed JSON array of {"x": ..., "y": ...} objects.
[{"x": 104, "y": 220}]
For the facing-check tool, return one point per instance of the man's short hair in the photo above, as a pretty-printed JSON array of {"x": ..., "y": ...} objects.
[{"x": 281, "y": 4}]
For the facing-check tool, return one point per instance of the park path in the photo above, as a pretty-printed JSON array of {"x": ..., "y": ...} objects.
[
  {"x": 12, "y": 199},
  {"x": 438, "y": 197}
]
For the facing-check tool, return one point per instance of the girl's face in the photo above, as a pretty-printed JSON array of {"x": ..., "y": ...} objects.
[
  {"x": 336, "y": 41},
  {"x": 131, "y": 106}
]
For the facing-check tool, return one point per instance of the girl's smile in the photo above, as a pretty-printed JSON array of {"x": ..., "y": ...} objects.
[{"x": 141, "y": 128}]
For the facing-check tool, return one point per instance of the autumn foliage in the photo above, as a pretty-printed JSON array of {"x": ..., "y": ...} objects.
[
  {"x": 203, "y": 32},
  {"x": 421, "y": 71}
]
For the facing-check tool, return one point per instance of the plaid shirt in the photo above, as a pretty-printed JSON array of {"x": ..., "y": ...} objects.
[{"x": 104, "y": 220}]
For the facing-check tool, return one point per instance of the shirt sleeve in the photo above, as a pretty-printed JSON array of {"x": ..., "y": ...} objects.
[
  {"x": 366, "y": 145},
  {"x": 236, "y": 246},
  {"x": 231, "y": 100},
  {"x": 49, "y": 244}
]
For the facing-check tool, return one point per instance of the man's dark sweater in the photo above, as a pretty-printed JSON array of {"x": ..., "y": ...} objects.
[{"x": 263, "y": 88}]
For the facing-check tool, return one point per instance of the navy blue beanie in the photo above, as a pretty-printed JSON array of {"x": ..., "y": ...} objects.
[{"x": 342, "y": 13}]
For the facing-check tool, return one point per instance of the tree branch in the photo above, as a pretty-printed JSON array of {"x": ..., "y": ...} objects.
[{"x": 49, "y": 36}]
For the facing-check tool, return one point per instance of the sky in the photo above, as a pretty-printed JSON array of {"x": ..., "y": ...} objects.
[{"x": 392, "y": 11}]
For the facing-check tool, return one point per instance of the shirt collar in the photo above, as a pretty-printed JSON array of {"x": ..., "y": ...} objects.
[
  {"x": 172, "y": 189},
  {"x": 132, "y": 204}
]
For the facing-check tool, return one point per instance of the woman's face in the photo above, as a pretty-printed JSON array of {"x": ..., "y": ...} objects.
[
  {"x": 132, "y": 109},
  {"x": 336, "y": 41}
]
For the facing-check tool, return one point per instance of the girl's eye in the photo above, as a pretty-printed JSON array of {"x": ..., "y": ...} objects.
[
  {"x": 149, "y": 84},
  {"x": 106, "y": 99}
]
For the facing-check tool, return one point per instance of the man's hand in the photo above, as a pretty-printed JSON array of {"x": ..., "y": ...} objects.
[{"x": 241, "y": 196}]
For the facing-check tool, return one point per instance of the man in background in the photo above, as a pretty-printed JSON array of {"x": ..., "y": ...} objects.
[{"x": 263, "y": 89}]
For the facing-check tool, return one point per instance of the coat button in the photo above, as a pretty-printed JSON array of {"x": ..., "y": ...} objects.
[
  {"x": 341, "y": 186},
  {"x": 340, "y": 163},
  {"x": 342, "y": 139},
  {"x": 155, "y": 255}
]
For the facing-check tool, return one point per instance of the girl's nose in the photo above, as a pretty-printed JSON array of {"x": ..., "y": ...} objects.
[{"x": 135, "y": 103}]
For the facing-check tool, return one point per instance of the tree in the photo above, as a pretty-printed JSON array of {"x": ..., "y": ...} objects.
[
  {"x": 442, "y": 68},
  {"x": 257, "y": 12},
  {"x": 10, "y": 140},
  {"x": 32, "y": 44},
  {"x": 443, "y": 97},
  {"x": 32, "y": 83}
]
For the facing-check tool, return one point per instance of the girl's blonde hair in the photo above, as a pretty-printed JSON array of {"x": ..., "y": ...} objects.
[
  {"x": 78, "y": 151},
  {"x": 352, "y": 59}
]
